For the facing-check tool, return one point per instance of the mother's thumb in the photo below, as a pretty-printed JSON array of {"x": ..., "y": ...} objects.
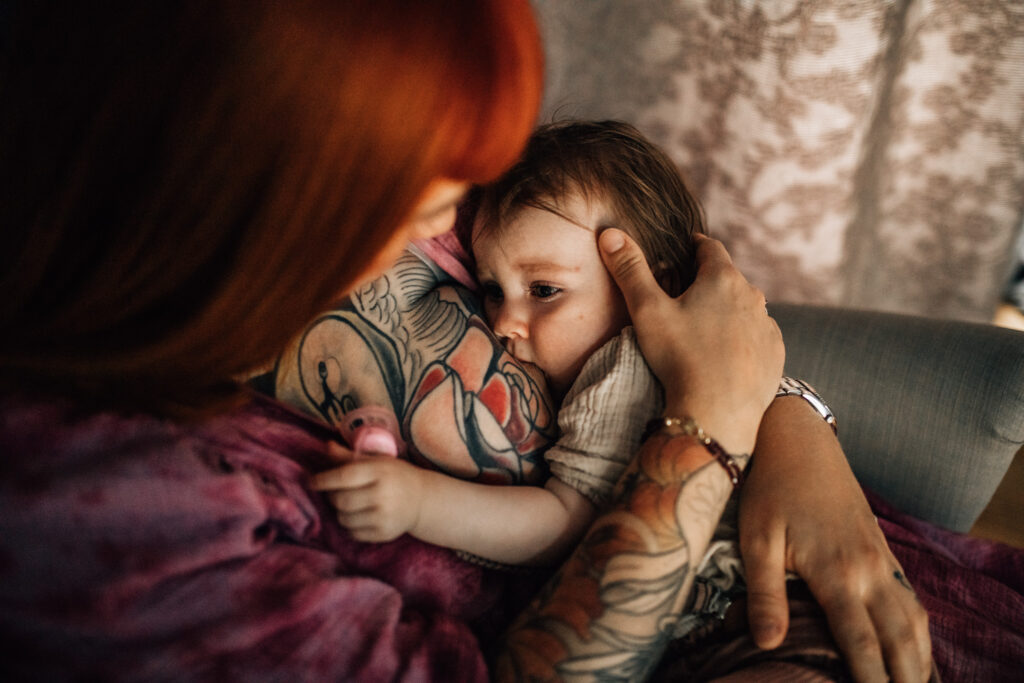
[{"x": 627, "y": 265}]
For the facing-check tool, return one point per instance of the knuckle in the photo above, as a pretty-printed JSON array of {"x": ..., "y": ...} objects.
[
  {"x": 920, "y": 628},
  {"x": 876, "y": 563},
  {"x": 731, "y": 275},
  {"x": 629, "y": 265},
  {"x": 865, "y": 642},
  {"x": 848, "y": 575},
  {"x": 905, "y": 635},
  {"x": 716, "y": 273},
  {"x": 764, "y": 602}
]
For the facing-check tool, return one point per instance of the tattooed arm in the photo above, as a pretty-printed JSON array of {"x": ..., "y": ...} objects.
[
  {"x": 412, "y": 343},
  {"x": 719, "y": 357},
  {"x": 417, "y": 346},
  {"x": 601, "y": 419},
  {"x": 610, "y": 611},
  {"x": 378, "y": 499}
]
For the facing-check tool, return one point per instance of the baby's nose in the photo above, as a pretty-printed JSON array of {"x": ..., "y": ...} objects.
[{"x": 508, "y": 324}]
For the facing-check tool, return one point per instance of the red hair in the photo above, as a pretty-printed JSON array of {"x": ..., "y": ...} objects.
[{"x": 196, "y": 180}]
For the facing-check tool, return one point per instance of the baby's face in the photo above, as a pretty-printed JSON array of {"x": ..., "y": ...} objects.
[{"x": 547, "y": 294}]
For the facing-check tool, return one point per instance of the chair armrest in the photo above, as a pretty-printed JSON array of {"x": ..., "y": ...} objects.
[{"x": 931, "y": 412}]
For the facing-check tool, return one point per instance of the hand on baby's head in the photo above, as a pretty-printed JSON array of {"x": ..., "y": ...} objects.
[{"x": 718, "y": 354}]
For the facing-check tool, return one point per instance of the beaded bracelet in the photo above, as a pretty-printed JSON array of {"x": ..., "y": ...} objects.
[{"x": 689, "y": 427}]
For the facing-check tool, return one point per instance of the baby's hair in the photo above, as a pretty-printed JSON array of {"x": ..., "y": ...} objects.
[{"x": 610, "y": 161}]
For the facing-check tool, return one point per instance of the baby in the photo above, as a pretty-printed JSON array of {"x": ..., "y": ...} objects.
[{"x": 549, "y": 298}]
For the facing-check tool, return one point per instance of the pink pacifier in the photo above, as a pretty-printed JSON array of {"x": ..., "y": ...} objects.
[{"x": 372, "y": 430}]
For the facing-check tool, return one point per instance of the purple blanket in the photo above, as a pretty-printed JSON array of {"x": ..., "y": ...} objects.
[
  {"x": 141, "y": 549},
  {"x": 135, "y": 548},
  {"x": 973, "y": 590}
]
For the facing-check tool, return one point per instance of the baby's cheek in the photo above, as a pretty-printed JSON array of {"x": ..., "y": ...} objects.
[{"x": 561, "y": 378}]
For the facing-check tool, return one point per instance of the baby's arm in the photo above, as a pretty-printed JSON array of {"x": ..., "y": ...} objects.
[
  {"x": 380, "y": 498},
  {"x": 601, "y": 419}
]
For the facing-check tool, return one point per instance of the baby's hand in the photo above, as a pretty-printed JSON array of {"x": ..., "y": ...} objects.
[{"x": 377, "y": 499}]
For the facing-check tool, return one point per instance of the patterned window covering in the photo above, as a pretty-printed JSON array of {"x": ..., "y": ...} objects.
[
  {"x": 1015, "y": 287},
  {"x": 858, "y": 153}
]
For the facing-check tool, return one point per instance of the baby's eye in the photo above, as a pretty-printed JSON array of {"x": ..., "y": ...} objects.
[
  {"x": 542, "y": 291},
  {"x": 492, "y": 291}
]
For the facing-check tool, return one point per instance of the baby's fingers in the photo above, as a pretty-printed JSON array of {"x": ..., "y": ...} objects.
[
  {"x": 352, "y": 502},
  {"x": 363, "y": 524},
  {"x": 356, "y": 474},
  {"x": 339, "y": 453}
]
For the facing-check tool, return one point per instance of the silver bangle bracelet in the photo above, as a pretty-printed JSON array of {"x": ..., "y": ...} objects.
[{"x": 795, "y": 387}]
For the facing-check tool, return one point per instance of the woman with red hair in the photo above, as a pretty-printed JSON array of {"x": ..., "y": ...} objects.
[{"x": 187, "y": 184}]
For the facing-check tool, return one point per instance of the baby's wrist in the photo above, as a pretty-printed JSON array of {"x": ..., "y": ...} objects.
[{"x": 420, "y": 482}]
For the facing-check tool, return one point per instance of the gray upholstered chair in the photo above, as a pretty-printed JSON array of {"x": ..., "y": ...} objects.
[{"x": 931, "y": 412}]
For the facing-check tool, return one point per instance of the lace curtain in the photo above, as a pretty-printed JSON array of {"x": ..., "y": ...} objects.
[{"x": 858, "y": 153}]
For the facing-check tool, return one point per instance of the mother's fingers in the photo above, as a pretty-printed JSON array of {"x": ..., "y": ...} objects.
[
  {"x": 712, "y": 347},
  {"x": 764, "y": 554},
  {"x": 719, "y": 278},
  {"x": 902, "y": 626},
  {"x": 711, "y": 253},
  {"x": 878, "y": 625},
  {"x": 855, "y": 635},
  {"x": 625, "y": 261}
]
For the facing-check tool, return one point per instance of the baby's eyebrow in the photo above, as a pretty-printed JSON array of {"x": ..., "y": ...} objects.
[{"x": 534, "y": 266}]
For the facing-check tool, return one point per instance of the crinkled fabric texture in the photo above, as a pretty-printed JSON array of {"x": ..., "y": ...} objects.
[
  {"x": 602, "y": 418},
  {"x": 136, "y": 548}
]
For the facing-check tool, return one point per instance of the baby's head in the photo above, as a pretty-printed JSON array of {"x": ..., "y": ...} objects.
[{"x": 546, "y": 291}]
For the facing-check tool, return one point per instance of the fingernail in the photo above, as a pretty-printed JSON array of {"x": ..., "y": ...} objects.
[{"x": 611, "y": 241}]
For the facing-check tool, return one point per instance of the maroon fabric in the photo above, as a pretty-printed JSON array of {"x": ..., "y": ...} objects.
[
  {"x": 727, "y": 652},
  {"x": 135, "y": 548},
  {"x": 973, "y": 590}
]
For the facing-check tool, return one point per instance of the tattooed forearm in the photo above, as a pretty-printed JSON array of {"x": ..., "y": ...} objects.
[{"x": 610, "y": 611}]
